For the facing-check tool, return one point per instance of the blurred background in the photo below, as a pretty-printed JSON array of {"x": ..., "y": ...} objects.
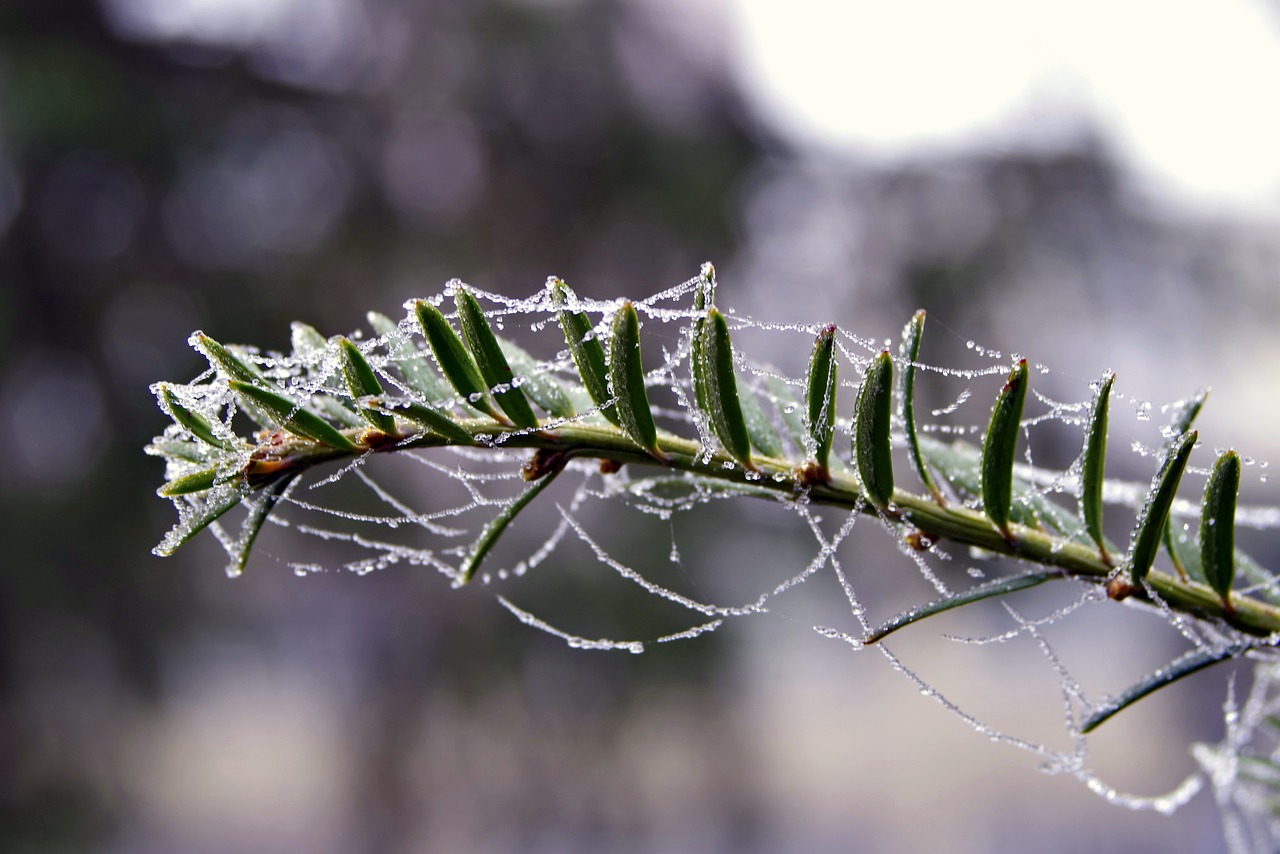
[{"x": 1093, "y": 185}]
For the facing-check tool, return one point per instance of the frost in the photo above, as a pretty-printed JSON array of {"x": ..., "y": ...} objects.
[{"x": 429, "y": 509}]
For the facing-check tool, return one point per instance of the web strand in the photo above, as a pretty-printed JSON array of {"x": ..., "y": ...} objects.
[{"x": 430, "y": 519}]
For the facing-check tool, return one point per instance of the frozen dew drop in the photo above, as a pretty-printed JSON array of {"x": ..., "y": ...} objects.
[{"x": 312, "y": 376}]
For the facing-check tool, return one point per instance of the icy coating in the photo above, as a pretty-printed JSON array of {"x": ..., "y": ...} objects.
[{"x": 220, "y": 434}]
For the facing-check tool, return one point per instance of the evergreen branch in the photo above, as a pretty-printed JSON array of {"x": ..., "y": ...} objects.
[{"x": 314, "y": 420}]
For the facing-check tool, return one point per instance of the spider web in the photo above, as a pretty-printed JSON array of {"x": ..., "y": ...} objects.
[{"x": 427, "y": 508}]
